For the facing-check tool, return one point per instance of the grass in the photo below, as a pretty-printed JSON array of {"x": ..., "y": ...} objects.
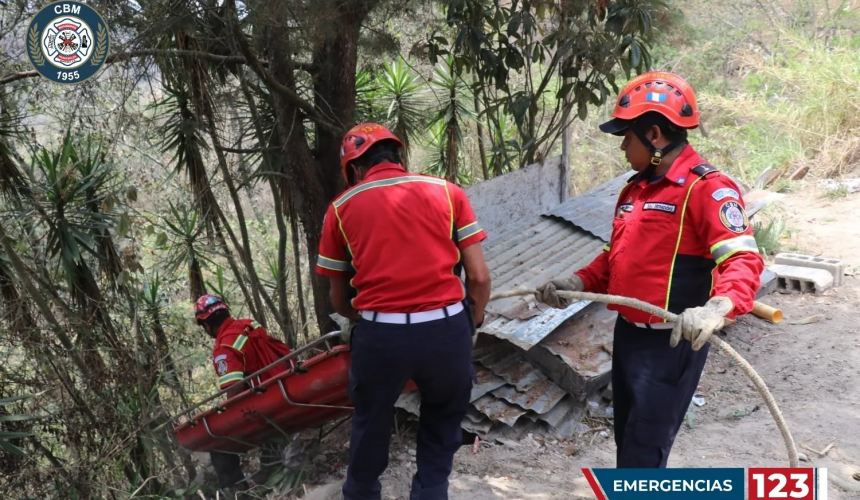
[
  {"x": 769, "y": 235},
  {"x": 775, "y": 92},
  {"x": 836, "y": 194}
]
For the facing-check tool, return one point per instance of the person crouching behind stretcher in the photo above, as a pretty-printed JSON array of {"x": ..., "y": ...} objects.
[{"x": 242, "y": 347}]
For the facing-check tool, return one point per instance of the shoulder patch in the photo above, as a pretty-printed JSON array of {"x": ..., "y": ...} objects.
[
  {"x": 221, "y": 367},
  {"x": 220, "y": 357},
  {"x": 725, "y": 192},
  {"x": 733, "y": 217},
  {"x": 703, "y": 169}
]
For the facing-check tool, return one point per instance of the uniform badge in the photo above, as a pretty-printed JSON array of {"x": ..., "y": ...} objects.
[
  {"x": 67, "y": 42},
  {"x": 221, "y": 367},
  {"x": 733, "y": 216},
  {"x": 721, "y": 193}
]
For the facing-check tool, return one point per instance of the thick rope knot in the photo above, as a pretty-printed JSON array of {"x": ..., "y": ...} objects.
[{"x": 744, "y": 365}]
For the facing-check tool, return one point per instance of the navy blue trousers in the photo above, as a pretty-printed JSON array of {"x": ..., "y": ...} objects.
[
  {"x": 437, "y": 355},
  {"x": 652, "y": 386}
]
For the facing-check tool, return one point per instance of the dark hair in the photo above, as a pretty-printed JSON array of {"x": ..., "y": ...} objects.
[
  {"x": 672, "y": 132},
  {"x": 215, "y": 319},
  {"x": 385, "y": 150}
]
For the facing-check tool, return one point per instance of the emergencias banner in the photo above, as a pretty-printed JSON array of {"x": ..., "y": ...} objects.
[{"x": 708, "y": 484}]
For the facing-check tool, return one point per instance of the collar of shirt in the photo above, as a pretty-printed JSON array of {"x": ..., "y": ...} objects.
[
  {"x": 680, "y": 169},
  {"x": 384, "y": 171}
]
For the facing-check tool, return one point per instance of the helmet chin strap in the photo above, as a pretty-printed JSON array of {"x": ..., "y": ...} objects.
[{"x": 657, "y": 154}]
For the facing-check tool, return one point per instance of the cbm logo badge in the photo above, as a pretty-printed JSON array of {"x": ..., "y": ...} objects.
[{"x": 67, "y": 42}]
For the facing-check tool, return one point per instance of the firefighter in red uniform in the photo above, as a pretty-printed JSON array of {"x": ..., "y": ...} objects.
[
  {"x": 242, "y": 347},
  {"x": 393, "y": 246},
  {"x": 682, "y": 241}
]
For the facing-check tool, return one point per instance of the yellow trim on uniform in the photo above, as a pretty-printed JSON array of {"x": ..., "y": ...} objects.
[
  {"x": 605, "y": 248},
  {"x": 348, "y": 246},
  {"x": 230, "y": 378},
  {"x": 451, "y": 234},
  {"x": 385, "y": 183},
  {"x": 726, "y": 248},
  {"x": 240, "y": 342},
  {"x": 255, "y": 325},
  {"x": 678, "y": 243}
]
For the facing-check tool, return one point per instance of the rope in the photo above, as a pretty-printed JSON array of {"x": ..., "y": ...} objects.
[{"x": 723, "y": 346}]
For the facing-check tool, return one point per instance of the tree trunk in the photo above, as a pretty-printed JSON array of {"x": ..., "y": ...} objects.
[
  {"x": 297, "y": 262},
  {"x": 481, "y": 148},
  {"x": 315, "y": 181}
]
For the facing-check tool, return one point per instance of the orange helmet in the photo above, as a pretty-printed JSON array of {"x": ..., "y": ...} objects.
[
  {"x": 206, "y": 305},
  {"x": 659, "y": 91},
  {"x": 358, "y": 140}
]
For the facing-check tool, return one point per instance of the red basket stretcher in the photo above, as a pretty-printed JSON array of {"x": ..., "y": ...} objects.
[{"x": 309, "y": 394}]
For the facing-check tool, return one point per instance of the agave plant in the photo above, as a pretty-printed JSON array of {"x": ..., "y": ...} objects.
[
  {"x": 185, "y": 227},
  {"x": 453, "y": 97},
  {"x": 402, "y": 96},
  {"x": 437, "y": 162}
]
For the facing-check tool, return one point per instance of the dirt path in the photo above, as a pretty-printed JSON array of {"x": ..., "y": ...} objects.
[{"x": 813, "y": 371}]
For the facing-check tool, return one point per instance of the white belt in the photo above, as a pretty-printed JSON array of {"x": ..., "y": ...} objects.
[
  {"x": 653, "y": 326},
  {"x": 416, "y": 317}
]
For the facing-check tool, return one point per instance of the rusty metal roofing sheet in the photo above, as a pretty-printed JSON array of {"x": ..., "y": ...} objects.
[
  {"x": 499, "y": 409},
  {"x": 594, "y": 210},
  {"x": 528, "y": 257}
]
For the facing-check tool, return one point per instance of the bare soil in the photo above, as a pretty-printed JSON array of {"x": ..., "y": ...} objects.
[{"x": 813, "y": 371}]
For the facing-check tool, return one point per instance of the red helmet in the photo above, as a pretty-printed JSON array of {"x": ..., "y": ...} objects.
[
  {"x": 206, "y": 305},
  {"x": 358, "y": 140},
  {"x": 660, "y": 91}
]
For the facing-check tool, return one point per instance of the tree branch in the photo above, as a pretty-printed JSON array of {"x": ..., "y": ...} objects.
[
  {"x": 126, "y": 56},
  {"x": 272, "y": 83}
]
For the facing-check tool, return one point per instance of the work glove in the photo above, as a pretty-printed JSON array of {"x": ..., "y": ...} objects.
[
  {"x": 548, "y": 292},
  {"x": 697, "y": 324},
  {"x": 346, "y": 327}
]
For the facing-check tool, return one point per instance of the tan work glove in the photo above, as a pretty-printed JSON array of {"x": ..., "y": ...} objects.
[
  {"x": 697, "y": 324},
  {"x": 548, "y": 292},
  {"x": 346, "y": 326}
]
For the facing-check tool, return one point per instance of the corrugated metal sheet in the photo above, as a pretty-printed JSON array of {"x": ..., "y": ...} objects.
[
  {"x": 544, "y": 250},
  {"x": 594, "y": 210}
]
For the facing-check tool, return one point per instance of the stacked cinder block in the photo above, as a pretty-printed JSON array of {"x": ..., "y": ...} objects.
[{"x": 835, "y": 267}]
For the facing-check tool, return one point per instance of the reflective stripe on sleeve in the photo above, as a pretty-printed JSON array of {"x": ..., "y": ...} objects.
[
  {"x": 726, "y": 248},
  {"x": 334, "y": 265},
  {"x": 240, "y": 342},
  {"x": 230, "y": 378},
  {"x": 605, "y": 248},
  {"x": 468, "y": 231}
]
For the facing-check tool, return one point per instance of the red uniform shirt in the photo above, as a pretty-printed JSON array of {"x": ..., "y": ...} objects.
[
  {"x": 677, "y": 242},
  {"x": 395, "y": 230},
  {"x": 243, "y": 347}
]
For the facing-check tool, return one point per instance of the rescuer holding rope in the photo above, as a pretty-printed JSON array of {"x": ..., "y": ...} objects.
[
  {"x": 393, "y": 246},
  {"x": 681, "y": 240}
]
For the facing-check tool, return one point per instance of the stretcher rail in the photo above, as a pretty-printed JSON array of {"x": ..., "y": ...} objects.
[{"x": 289, "y": 357}]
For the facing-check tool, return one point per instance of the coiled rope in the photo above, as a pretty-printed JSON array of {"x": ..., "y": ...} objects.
[{"x": 671, "y": 317}]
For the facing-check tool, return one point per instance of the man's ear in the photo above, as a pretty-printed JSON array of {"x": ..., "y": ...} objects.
[{"x": 655, "y": 134}]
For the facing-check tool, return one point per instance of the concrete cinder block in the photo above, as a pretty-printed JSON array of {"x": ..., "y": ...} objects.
[
  {"x": 767, "y": 283},
  {"x": 833, "y": 266},
  {"x": 795, "y": 279}
]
